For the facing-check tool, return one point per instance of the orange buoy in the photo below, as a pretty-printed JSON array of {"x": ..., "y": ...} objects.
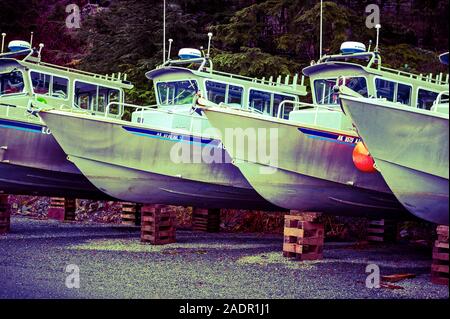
[{"x": 362, "y": 159}]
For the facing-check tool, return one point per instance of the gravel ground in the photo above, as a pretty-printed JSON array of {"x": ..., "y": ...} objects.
[{"x": 113, "y": 264}]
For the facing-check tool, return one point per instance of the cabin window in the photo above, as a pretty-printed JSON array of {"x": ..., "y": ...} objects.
[
  {"x": 216, "y": 92},
  {"x": 59, "y": 87},
  {"x": 326, "y": 95},
  {"x": 425, "y": 99},
  {"x": 96, "y": 98},
  {"x": 235, "y": 95},
  {"x": 404, "y": 94},
  {"x": 177, "y": 93},
  {"x": 11, "y": 83},
  {"x": 224, "y": 93},
  {"x": 286, "y": 107},
  {"x": 260, "y": 101},
  {"x": 393, "y": 91},
  {"x": 268, "y": 103},
  {"x": 51, "y": 85}
]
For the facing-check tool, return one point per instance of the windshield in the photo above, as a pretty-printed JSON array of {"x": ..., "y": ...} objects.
[
  {"x": 11, "y": 83},
  {"x": 325, "y": 94},
  {"x": 177, "y": 93}
]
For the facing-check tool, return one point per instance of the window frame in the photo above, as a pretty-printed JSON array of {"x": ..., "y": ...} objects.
[
  {"x": 417, "y": 97},
  {"x": 90, "y": 102},
  {"x": 272, "y": 98},
  {"x": 395, "y": 89},
  {"x": 50, "y": 89},
  {"x": 173, "y": 81},
  {"x": 313, "y": 88},
  {"x": 228, "y": 84},
  {"x": 24, "y": 90}
]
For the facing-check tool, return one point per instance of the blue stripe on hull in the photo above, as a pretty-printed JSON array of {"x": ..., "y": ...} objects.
[
  {"x": 32, "y": 128},
  {"x": 166, "y": 136},
  {"x": 330, "y": 137}
]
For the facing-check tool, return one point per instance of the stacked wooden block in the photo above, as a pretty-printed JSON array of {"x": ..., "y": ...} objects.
[
  {"x": 5, "y": 215},
  {"x": 131, "y": 214},
  {"x": 206, "y": 220},
  {"x": 303, "y": 240},
  {"x": 62, "y": 209},
  {"x": 440, "y": 266},
  {"x": 382, "y": 230},
  {"x": 158, "y": 225}
]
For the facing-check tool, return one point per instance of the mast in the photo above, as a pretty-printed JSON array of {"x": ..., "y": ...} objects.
[
  {"x": 164, "y": 31},
  {"x": 321, "y": 29}
]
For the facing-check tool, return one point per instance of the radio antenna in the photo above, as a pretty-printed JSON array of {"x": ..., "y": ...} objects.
[
  {"x": 164, "y": 31},
  {"x": 210, "y": 35},
  {"x": 3, "y": 42},
  {"x": 170, "y": 49},
  {"x": 321, "y": 29},
  {"x": 378, "y": 27}
]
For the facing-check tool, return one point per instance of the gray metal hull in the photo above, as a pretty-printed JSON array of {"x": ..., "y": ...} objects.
[
  {"x": 134, "y": 164},
  {"x": 314, "y": 172},
  {"x": 32, "y": 163},
  {"x": 410, "y": 148}
]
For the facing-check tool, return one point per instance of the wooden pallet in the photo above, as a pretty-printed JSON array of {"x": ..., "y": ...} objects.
[
  {"x": 440, "y": 266},
  {"x": 303, "y": 240},
  {"x": 62, "y": 209},
  {"x": 131, "y": 214},
  {"x": 382, "y": 231},
  {"x": 206, "y": 220},
  {"x": 158, "y": 225},
  {"x": 5, "y": 215}
]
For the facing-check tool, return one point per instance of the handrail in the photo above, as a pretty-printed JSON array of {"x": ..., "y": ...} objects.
[
  {"x": 305, "y": 106},
  {"x": 439, "y": 100},
  {"x": 138, "y": 107}
]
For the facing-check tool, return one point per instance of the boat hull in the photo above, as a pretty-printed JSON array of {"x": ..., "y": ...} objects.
[
  {"x": 136, "y": 164},
  {"x": 410, "y": 149},
  {"x": 32, "y": 163},
  {"x": 313, "y": 171}
]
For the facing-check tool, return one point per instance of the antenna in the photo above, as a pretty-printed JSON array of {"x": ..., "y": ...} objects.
[
  {"x": 41, "y": 46},
  {"x": 370, "y": 45},
  {"x": 31, "y": 39},
  {"x": 3, "y": 41},
  {"x": 210, "y": 35},
  {"x": 378, "y": 27},
  {"x": 321, "y": 28},
  {"x": 164, "y": 31},
  {"x": 170, "y": 49}
]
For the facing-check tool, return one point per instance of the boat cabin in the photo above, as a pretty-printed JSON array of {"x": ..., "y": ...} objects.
[
  {"x": 363, "y": 72},
  {"x": 26, "y": 81},
  {"x": 178, "y": 83}
]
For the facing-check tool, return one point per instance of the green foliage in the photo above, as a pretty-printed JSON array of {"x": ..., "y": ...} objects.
[
  {"x": 252, "y": 37},
  {"x": 408, "y": 58},
  {"x": 253, "y": 62}
]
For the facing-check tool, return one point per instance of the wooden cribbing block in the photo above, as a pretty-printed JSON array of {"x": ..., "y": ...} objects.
[
  {"x": 303, "y": 240},
  {"x": 131, "y": 214},
  {"x": 440, "y": 266},
  {"x": 5, "y": 215},
  {"x": 62, "y": 209},
  {"x": 382, "y": 231},
  {"x": 206, "y": 220},
  {"x": 158, "y": 225}
]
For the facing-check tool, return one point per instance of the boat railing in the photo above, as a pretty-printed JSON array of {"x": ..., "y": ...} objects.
[
  {"x": 440, "y": 100},
  {"x": 298, "y": 106},
  {"x": 26, "y": 117},
  {"x": 121, "y": 105}
]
